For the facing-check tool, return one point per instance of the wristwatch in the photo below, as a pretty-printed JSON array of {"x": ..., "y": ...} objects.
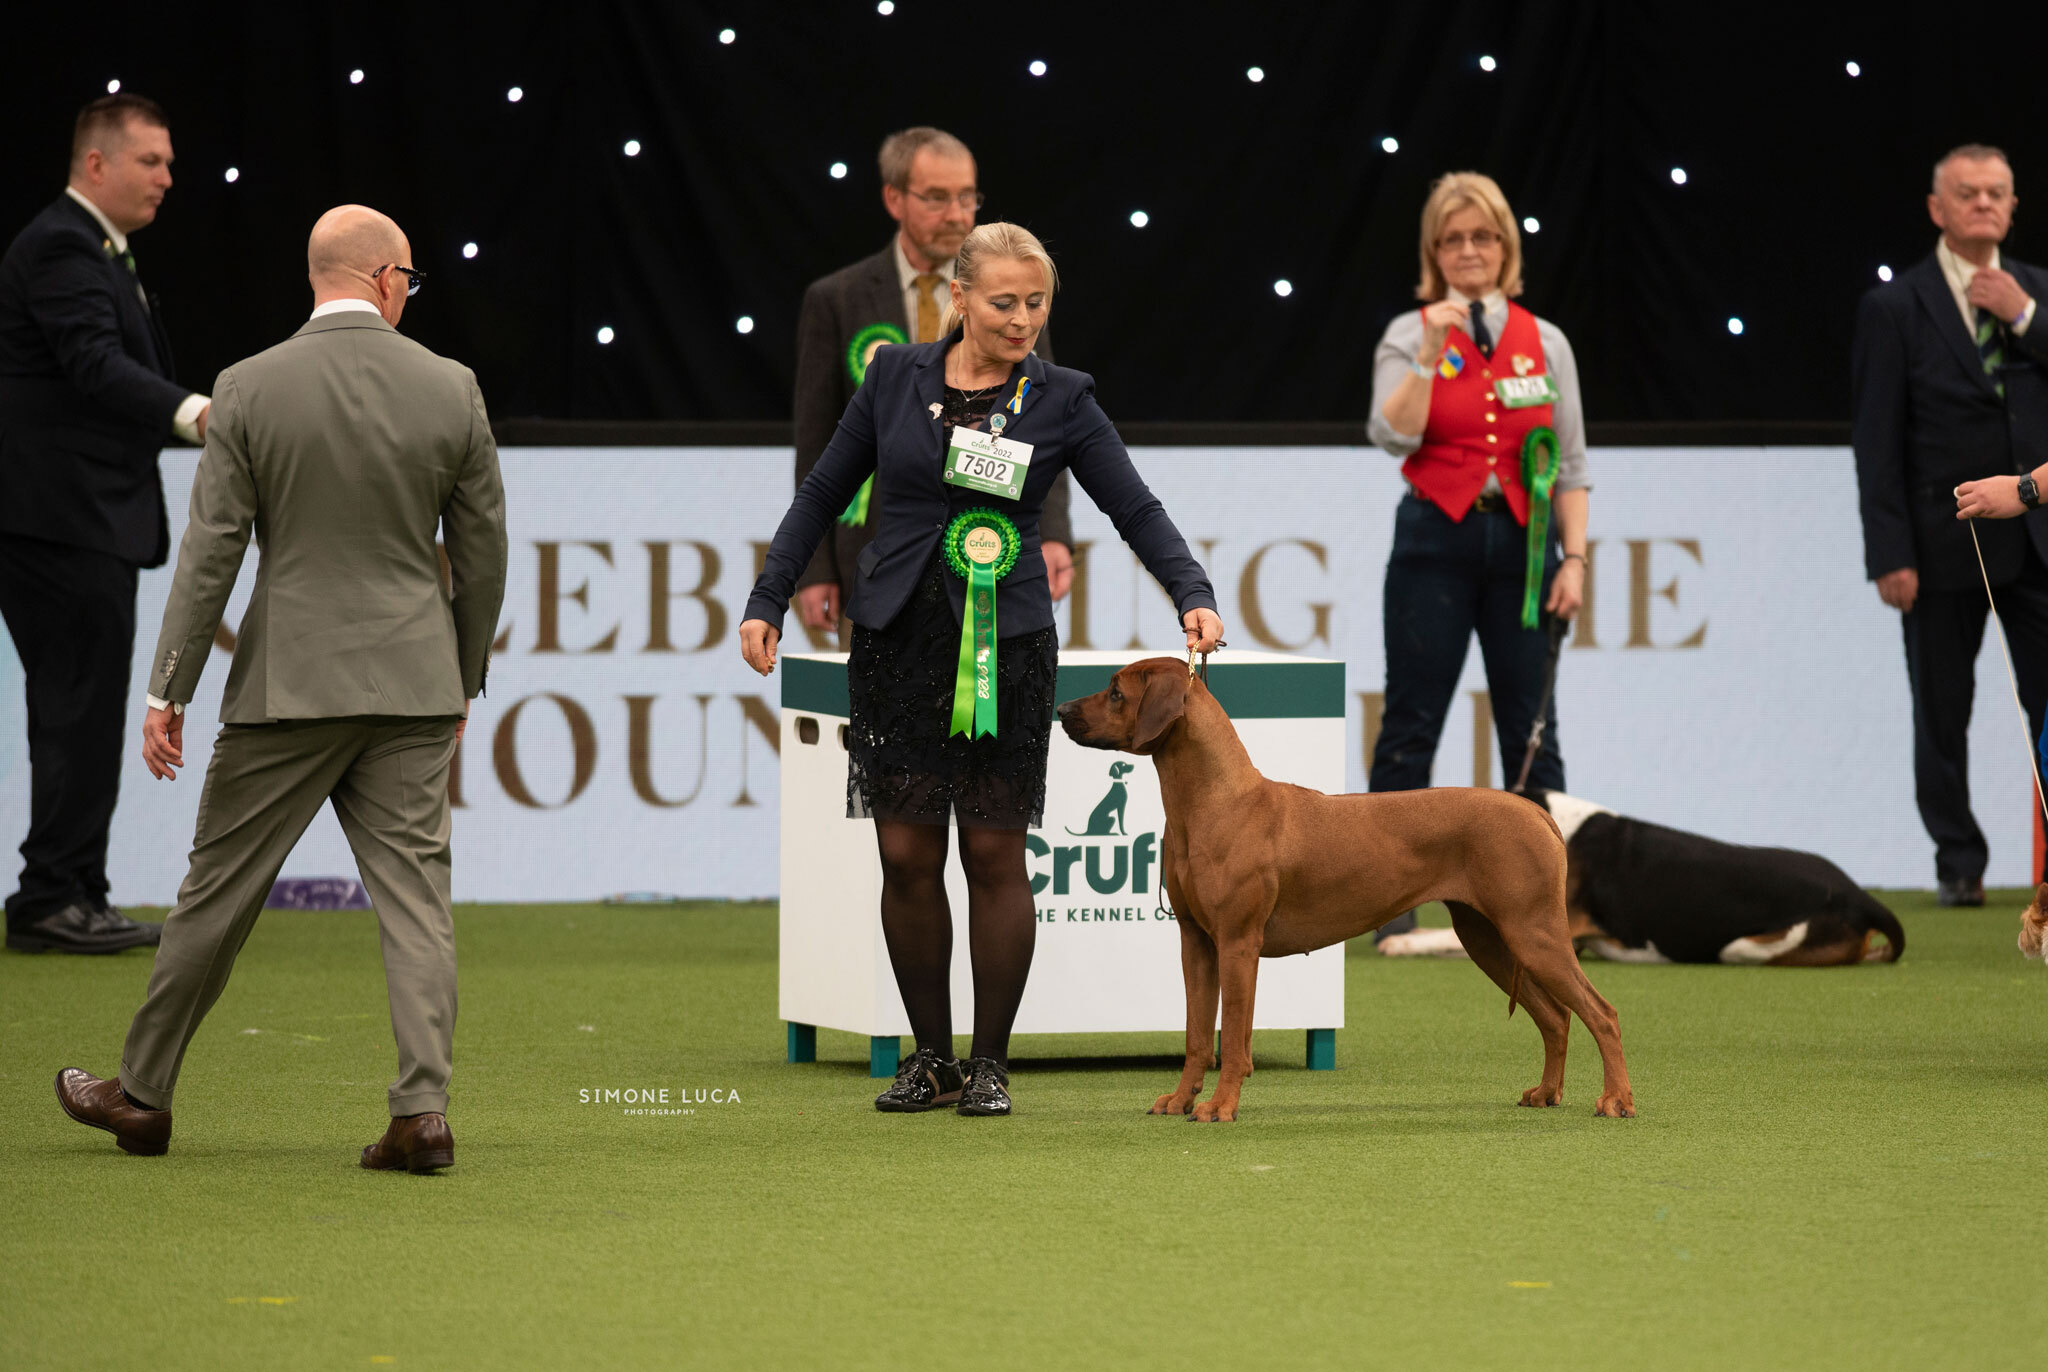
[{"x": 2030, "y": 494}]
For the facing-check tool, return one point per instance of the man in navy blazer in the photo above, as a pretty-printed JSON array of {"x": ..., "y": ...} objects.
[
  {"x": 1950, "y": 374},
  {"x": 892, "y": 429},
  {"x": 87, "y": 401}
]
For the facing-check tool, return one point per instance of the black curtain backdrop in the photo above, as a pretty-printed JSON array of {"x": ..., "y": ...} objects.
[{"x": 1801, "y": 180}]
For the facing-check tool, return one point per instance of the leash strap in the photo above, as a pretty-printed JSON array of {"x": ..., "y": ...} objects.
[
  {"x": 2012, "y": 679},
  {"x": 1557, "y": 633}
]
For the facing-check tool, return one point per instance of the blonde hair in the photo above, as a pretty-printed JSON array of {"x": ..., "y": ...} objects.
[
  {"x": 992, "y": 243},
  {"x": 1457, "y": 191}
]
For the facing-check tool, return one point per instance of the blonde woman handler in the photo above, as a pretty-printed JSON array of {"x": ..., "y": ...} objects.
[
  {"x": 1459, "y": 388},
  {"x": 928, "y": 745}
]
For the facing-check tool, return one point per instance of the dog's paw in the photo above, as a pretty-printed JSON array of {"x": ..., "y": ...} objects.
[
  {"x": 1616, "y": 1107},
  {"x": 1173, "y": 1103},
  {"x": 1209, "y": 1112},
  {"x": 1544, "y": 1096}
]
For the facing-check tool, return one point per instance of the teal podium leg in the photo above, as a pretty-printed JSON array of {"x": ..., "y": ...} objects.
[
  {"x": 884, "y": 1050},
  {"x": 803, "y": 1042},
  {"x": 1322, "y": 1050}
]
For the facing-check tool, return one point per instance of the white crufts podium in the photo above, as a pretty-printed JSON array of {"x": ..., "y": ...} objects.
[{"x": 1108, "y": 951}]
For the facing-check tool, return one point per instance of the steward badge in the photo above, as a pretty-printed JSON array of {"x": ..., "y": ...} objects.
[
  {"x": 981, "y": 547},
  {"x": 1521, "y": 392},
  {"x": 1539, "y": 474},
  {"x": 859, "y": 353}
]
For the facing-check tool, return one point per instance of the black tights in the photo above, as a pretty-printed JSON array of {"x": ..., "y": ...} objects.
[{"x": 1002, "y": 926}]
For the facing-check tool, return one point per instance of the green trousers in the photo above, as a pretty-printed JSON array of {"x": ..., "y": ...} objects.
[{"x": 388, "y": 781}]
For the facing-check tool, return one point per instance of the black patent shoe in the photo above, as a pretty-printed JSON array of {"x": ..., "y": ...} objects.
[
  {"x": 78, "y": 928},
  {"x": 923, "y": 1081},
  {"x": 1966, "y": 892},
  {"x": 986, "y": 1083}
]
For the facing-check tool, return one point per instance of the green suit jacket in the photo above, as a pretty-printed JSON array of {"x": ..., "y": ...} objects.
[{"x": 345, "y": 448}]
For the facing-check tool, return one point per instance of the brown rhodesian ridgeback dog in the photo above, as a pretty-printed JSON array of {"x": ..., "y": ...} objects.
[{"x": 1256, "y": 868}]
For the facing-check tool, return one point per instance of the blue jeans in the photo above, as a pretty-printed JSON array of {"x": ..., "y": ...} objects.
[{"x": 1446, "y": 580}]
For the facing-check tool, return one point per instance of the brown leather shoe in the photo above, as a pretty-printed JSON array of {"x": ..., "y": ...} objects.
[
  {"x": 416, "y": 1143},
  {"x": 100, "y": 1104}
]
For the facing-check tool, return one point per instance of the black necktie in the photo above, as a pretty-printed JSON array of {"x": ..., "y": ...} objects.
[{"x": 1480, "y": 333}]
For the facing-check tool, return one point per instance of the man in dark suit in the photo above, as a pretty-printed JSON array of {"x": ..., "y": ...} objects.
[
  {"x": 1950, "y": 369},
  {"x": 86, "y": 403},
  {"x": 898, "y": 295}
]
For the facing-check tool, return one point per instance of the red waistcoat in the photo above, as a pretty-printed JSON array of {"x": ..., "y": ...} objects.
[{"x": 1470, "y": 433}]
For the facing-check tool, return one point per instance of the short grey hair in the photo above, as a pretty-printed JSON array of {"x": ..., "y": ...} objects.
[
  {"x": 1969, "y": 152},
  {"x": 901, "y": 148}
]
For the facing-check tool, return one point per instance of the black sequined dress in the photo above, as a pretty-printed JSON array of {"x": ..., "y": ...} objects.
[{"x": 904, "y": 765}]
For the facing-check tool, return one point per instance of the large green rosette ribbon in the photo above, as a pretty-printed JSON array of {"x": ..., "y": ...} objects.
[
  {"x": 1539, "y": 474},
  {"x": 981, "y": 547},
  {"x": 859, "y": 350}
]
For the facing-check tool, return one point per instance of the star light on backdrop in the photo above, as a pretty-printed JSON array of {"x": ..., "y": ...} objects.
[
  {"x": 1735, "y": 326},
  {"x": 515, "y": 95},
  {"x": 1037, "y": 68},
  {"x": 355, "y": 78},
  {"x": 1255, "y": 74},
  {"x": 232, "y": 174},
  {"x": 469, "y": 250},
  {"x": 605, "y": 334},
  {"x": 1487, "y": 64},
  {"x": 886, "y": 8},
  {"x": 1390, "y": 145},
  {"x": 1530, "y": 225},
  {"x": 726, "y": 36},
  {"x": 1678, "y": 176},
  {"x": 632, "y": 148},
  {"x": 113, "y": 87},
  {"x": 1139, "y": 219},
  {"x": 745, "y": 323},
  {"x": 1283, "y": 288},
  {"x": 1853, "y": 69},
  {"x": 838, "y": 171},
  {"x": 1884, "y": 273}
]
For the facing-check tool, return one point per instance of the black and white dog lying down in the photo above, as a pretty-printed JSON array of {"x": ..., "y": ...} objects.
[{"x": 1639, "y": 892}]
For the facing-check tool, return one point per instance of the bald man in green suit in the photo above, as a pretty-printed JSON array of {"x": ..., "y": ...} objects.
[{"x": 345, "y": 449}]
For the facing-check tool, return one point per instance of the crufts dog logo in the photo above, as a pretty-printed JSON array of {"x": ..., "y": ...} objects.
[{"x": 1110, "y": 809}]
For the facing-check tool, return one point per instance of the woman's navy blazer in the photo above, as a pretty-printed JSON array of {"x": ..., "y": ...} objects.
[{"x": 891, "y": 429}]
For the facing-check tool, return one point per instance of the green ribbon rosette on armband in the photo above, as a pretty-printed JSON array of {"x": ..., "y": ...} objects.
[
  {"x": 981, "y": 547},
  {"x": 1539, "y": 474},
  {"x": 860, "y": 350}
]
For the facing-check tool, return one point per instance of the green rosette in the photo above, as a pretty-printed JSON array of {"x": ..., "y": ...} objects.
[
  {"x": 1539, "y": 474},
  {"x": 981, "y": 547},
  {"x": 859, "y": 349}
]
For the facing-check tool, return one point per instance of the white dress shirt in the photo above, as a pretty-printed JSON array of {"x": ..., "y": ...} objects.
[
  {"x": 1959, "y": 272},
  {"x": 319, "y": 311},
  {"x": 185, "y": 422},
  {"x": 1403, "y": 339},
  {"x": 906, "y": 278}
]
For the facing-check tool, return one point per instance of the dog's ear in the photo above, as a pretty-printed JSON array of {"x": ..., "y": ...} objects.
[{"x": 1166, "y": 700}]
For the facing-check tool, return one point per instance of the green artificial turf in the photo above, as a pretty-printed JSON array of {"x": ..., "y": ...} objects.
[{"x": 1838, "y": 1168}]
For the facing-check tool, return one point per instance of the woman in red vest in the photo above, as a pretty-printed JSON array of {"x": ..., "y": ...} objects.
[{"x": 1481, "y": 399}]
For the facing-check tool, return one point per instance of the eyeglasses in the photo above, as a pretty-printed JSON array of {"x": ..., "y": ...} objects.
[
  {"x": 938, "y": 200},
  {"x": 412, "y": 278},
  {"x": 1481, "y": 239}
]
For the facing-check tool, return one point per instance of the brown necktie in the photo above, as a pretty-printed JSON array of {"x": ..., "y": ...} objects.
[{"x": 927, "y": 307}]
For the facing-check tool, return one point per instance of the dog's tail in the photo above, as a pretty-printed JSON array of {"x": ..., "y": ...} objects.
[{"x": 1874, "y": 914}]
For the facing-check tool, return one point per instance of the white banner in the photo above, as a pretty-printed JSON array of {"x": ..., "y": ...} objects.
[{"x": 1735, "y": 674}]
